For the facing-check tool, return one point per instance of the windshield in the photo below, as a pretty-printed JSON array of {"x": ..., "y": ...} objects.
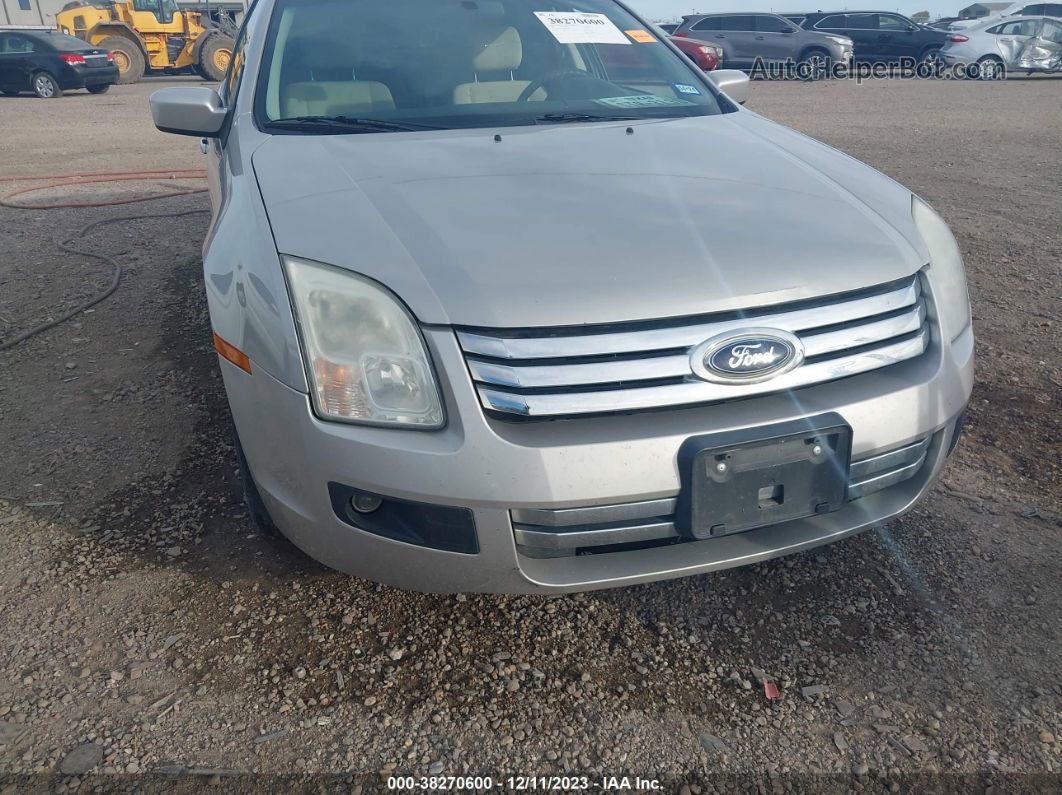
[{"x": 470, "y": 63}]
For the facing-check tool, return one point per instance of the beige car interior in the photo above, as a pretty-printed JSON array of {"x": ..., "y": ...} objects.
[
  {"x": 333, "y": 89},
  {"x": 315, "y": 74},
  {"x": 503, "y": 54}
]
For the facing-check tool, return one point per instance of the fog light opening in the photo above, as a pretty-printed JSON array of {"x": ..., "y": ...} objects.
[{"x": 365, "y": 503}]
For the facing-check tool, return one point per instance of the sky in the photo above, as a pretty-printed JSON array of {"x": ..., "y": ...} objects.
[{"x": 667, "y": 9}]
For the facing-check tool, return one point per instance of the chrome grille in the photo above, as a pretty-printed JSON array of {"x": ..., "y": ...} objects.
[
  {"x": 549, "y": 533},
  {"x": 601, "y": 369}
]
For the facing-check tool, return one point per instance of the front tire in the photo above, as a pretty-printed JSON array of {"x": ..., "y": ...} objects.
[
  {"x": 214, "y": 58},
  {"x": 99, "y": 89},
  {"x": 45, "y": 86},
  {"x": 816, "y": 64},
  {"x": 127, "y": 57},
  {"x": 256, "y": 507}
]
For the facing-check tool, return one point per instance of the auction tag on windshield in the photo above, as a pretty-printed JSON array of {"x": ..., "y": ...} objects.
[
  {"x": 641, "y": 36},
  {"x": 642, "y": 101},
  {"x": 581, "y": 28}
]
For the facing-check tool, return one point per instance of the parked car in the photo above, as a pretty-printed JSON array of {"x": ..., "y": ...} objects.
[
  {"x": 48, "y": 63},
  {"x": 623, "y": 63},
  {"x": 945, "y": 23},
  {"x": 881, "y": 37},
  {"x": 774, "y": 39},
  {"x": 491, "y": 318},
  {"x": 1029, "y": 44},
  {"x": 1022, "y": 9},
  {"x": 705, "y": 54},
  {"x": 668, "y": 28}
]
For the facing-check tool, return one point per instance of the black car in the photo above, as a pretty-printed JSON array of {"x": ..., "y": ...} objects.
[
  {"x": 48, "y": 63},
  {"x": 880, "y": 36}
]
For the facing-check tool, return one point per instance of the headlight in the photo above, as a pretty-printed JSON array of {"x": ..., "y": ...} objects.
[
  {"x": 364, "y": 354},
  {"x": 946, "y": 271}
]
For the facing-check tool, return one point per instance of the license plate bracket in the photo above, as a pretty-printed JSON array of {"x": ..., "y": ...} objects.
[{"x": 741, "y": 480}]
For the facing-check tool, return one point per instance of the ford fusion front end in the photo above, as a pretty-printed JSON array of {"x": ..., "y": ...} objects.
[{"x": 552, "y": 312}]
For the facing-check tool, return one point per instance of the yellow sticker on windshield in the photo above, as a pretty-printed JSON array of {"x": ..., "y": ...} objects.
[{"x": 643, "y": 36}]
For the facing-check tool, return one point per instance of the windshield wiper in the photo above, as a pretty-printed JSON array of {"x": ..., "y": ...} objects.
[
  {"x": 348, "y": 124},
  {"x": 561, "y": 118}
]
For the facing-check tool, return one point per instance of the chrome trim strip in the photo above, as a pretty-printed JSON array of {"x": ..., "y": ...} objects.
[
  {"x": 674, "y": 366},
  {"x": 599, "y": 514},
  {"x": 573, "y": 539},
  {"x": 678, "y": 365},
  {"x": 862, "y": 470},
  {"x": 551, "y": 347},
  {"x": 693, "y": 392},
  {"x": 864, "y": 334},
  {"x": 884, "y": 480}
]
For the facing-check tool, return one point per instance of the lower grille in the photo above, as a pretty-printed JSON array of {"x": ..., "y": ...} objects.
[
  {"x": 602, "y": 369},
  {"x": 569, "y": 531}
]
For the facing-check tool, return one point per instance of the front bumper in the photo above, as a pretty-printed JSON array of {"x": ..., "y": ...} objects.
[{"x": 492, "y": 467}]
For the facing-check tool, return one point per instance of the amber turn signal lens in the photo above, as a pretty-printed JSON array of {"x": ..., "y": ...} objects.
[{"x": 232, "y": 353}]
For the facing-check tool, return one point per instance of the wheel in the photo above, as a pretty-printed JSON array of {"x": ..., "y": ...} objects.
[
  {"x": 214, "y": 57},
  {"x": 45, "y": 86},
  {"x": 991, "y": 68},
  {"x": 932, "y": 61},
  {"x": 127, "y": 57},
  {"x": 99, "y": 89},
  {"x": 263, "y": 522},
  {"x": 815, "y": 64}
]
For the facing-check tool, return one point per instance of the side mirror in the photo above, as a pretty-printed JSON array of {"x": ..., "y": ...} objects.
[
  {"x": 188, "y": 110},
  {"x": 732, "y": 82}
]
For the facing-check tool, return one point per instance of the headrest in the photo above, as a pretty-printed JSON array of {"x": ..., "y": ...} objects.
[{"x": 504, "y": 54}]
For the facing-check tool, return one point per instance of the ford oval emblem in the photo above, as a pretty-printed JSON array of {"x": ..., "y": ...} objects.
[{"x": 746, "y": 356}]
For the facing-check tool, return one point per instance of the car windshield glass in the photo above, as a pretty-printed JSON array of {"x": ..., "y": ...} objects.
[{"x": 469, "y": 63}]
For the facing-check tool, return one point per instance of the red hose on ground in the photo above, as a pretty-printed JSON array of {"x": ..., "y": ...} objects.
[{"x": 65, "y": 180}]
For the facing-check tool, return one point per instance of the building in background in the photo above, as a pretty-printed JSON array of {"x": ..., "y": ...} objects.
[
  {"x": 29, "y": 12},
  {"x": 978, "y": 10}
]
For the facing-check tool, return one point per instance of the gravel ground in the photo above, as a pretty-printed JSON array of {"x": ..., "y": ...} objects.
[{"x": 147, "y": 630}]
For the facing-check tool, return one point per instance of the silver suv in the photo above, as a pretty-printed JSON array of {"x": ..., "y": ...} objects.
[
  {"x": 745, "y": 38},
  {"x": 532, "y": 304}
]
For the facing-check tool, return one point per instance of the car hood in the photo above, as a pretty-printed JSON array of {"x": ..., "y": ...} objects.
[{"x": 589, "y": 223}]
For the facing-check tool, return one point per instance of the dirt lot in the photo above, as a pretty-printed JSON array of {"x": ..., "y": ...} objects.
[{"x": 146, "y": 629}]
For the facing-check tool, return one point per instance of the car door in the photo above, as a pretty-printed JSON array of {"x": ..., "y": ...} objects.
[
  {"x": 16, "y": 54},
  {"x": 1011, "y": 37},
  {"x": 862, "y": 29},
  {"x": 897, "y": 37},
  {"x": 774, "y": 38},
  {"x": 7, "y": 80},
  {"x": 737, "y": 33},
  {"x": 1044, "y": 51},
  {"x": 218, "y": 170}
]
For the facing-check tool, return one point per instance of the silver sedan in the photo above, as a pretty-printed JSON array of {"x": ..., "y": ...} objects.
[{"x": 1027, "y": 44}]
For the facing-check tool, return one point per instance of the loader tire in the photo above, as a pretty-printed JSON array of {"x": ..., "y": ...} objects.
[
  {"x": 127, "y": 57},
  {"x": 214, "y": 57}
]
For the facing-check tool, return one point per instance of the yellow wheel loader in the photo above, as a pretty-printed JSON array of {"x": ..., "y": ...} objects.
[{"x": 153, "y": 35}]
